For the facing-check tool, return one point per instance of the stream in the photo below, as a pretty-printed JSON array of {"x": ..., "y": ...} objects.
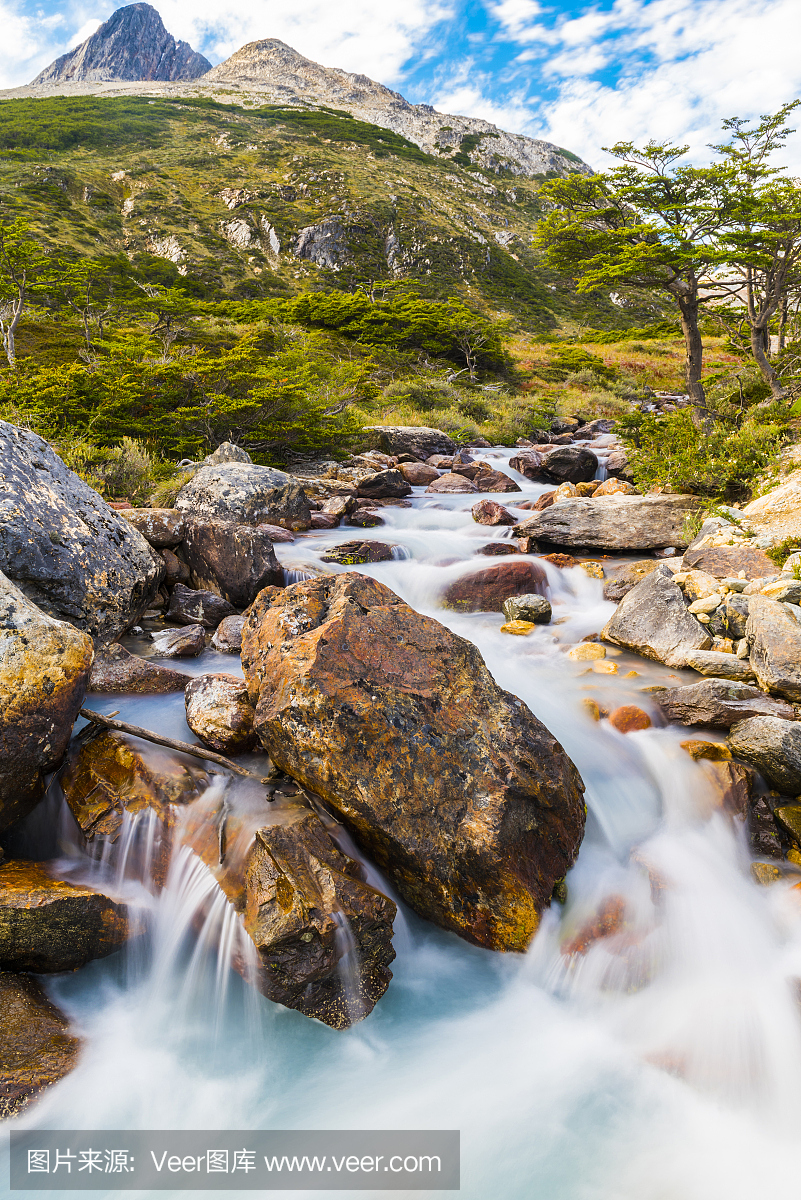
[{"x": 662, "y": 1064}]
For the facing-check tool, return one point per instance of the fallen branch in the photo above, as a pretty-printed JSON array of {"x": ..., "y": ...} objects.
[{"x": 173, "y": 744}]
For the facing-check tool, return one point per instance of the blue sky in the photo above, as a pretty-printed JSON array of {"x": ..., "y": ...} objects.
[{"x": 582, "y": 75}]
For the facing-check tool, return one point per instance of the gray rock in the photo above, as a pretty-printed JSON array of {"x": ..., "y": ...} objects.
[
  {"x": 527, "y": 608},
  {"x": 235, "y": 561},
  {"x": 160, "y": 527},
  {"x": 791, "y": 594},
  {"x": 652, "y": 619},
  {"x": 179, "y": 643},
  {"x": 71, "y": 554},
  {"x": 225, "y": 453},
  {"x": 219, "y": 713},
  {"x": 115, "y": 670},
  {"x": 733, "y": 614},
  {"x": 44, "y": 671},
  {"x": 721, "y": 665},
  {"x": 772, "y": 746},
  {"x": 529, "y": 464},
  {"x": 719, "y": 703},
  {"x": 325, "y": 244},
  {"x": 621, "y": 581},
  {"x": 228, "y": 635},
  {"x": 774, "y": 639},
  {"x": 189, "y": 606},
  {"x": 419, "y": 440},
  {"x": 383, "y": 485},
  {"x": 570, "y": 464},
  {"x": 246, "y": 494},
  {"x": 612, "y": 522}
]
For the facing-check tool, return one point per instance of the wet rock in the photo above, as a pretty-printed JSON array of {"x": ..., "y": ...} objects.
[
  {"x": 586, "y": 652},
  {"x": 621, "y": 581},
  {"x": 418, "y": 474},
  {"x": 364, "y": 518},
  {"x": 418, "y": 440},
  {"x": 44, "y": 673},
  {"x": 532, "y": 608},
  {"x": 518, "y": 628},
  {"x": 609, "y": 921},
  {"x": 542, "y": 502},
  {"x": 189, "y": 606},
  {"x": 729, "y": 560},
  {"x": 489, "y": 512},
  {"x": 176, "y": 571},
  {"x": 595, "y": 570},
  {"x": 495, "y": 481},
  {"x": 72, "y": 555},
  {"x": 36, "y": 1045},
  {"x": 179, "y": 643},
  {"x": 571, "y": 464},
  {"x": 652, "y": 620},
  {"x": 247, "y": 495},
  {"x": 699, "y": 749},
  {"x": 725, "y": 666},
  {"x": 321, "y": 520},
  {"x": 277, "y": 534},
  {"x": 486, "y": 590},
  {"x": 452, "y": 483},
  {"x": 498, "y": 549},
  {"x": 565, "y": 491},
  {"x": 160, "y": 527},
  {"x": 613, "y": 522},
  {"x": 563, "y": 561},
  {"x": 451, "y": 785},
  {"x": 774, "y": 639},
  {"x": 731, "y": 783},
  {"x": 629, "y": 718},
  {"x": 719, "y": 703},
  {"x": 383, "y": 485},
  {"x": 589, "y": 488},
  {"x": 352, "y": 553},
  {"x": 228, "y": 635},
  {"x": 773, "y": 746},
  {"x": 219, "y": 712},
  {"x": 528, "y": 464},
  {"x": 115, "y": 670},
  {"x": 440, "y": 462},
  {"x": 616, "y": 487},
  {"x": 47, "y": 924},
  {"x": 618, "y": 465},
  {"x": 234, "y": 561}
]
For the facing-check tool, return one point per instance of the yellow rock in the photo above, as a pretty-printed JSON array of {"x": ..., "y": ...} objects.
[
  {"x": 565, "y": 491},
  {"x": 519, "y": 627},
  {"x": 592, "y": 709},
  {"x": 585, "y": 651},
  {"x": 765, "y": 874},
  {"x": 706, "y": 604},
  {"x": 630, "y": 674},
  {"x": 793, "y": 854},
  {"x": 716, "y": 751},
  {"x": 594, "y": 569},
  {"x": 604, "y": 667}
]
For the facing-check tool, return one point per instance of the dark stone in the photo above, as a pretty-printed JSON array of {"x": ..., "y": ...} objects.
[
  {"x": 719, "y": 703},
  {"x": 773, "y": 746},
  {"x": 486, "y": 590},
  {"x": 177, "y": 571},
  {"x": 570, "y": 464},
  {"x": 233, "y": 561},
  {"x": 352, "y": 553},
  {"x": 228, "y": 635},
  {"x": 498, "y": 549},
  {"x": 115, "y": 670},
  {"x": 36, "y": 1045},
  {"x": 529, "y": 464},
  {"x": 191, "y": 607},
  {"x": 418, "y": 440},
  {"x": 489, "y": 512},
  {"x": 246, "y": 494},
  {"x": 364, "y": 518}
]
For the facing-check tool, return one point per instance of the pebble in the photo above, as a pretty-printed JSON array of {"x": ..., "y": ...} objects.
[
  {"x": 519, "y": 627},
  {"x": 629, "y": 719},
  {"x": 594, "y": 569},
  {"x": 585, "y": 651}
]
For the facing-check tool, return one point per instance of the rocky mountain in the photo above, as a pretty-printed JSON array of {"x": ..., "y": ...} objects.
[
  {"x": 132, "y": 44},
  {"x": 282, "y": 75}
]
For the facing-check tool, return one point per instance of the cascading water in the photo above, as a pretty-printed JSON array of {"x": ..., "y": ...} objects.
[{"x": 657, "y": 1062}]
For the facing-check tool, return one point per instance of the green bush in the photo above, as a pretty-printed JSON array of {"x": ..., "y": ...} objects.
[{"x": 126, "y": 471}]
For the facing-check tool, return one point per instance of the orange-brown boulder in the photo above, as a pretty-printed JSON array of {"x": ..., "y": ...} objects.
[
  {"x": 36, "y": 1045},
  {"x": 486, "y": 590},
  {"x": 452, "y": 785},
  {"x": 629, "y": 718}
]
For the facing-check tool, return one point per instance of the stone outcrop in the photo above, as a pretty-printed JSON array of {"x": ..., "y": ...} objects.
[
  {"x": 160, "y": 527},
  {"x": 719, "y": 703},
  {"x": 44, "y": 673},
  {"x": 452, "y": 786},
  {"x": 773, "y": 746},
  {"x": 235, "y": 561},
  {"x": 652, "y": 620},
  {"x": 219, "y": 712},
  {"x": 115, "y": 670},
  {"x": 774, "y": 639},
  {"x": 418, "y": 440},
  {"x": 189, "y": 606},
  {"x": 246, "y": 494},
  {"x": 131, "y": 44},
  {"x": 613, "y": 522},
  {"x": 36, "y": 1045},
  {"x": 722, "y": 561},
  {"x": 486, "y": 590},
  {"x": 47, "y": 924},
  {"x": 70, "y": 553}
]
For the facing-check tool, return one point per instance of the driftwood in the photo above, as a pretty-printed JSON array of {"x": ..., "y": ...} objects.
[{"x": 173, "y": 744}]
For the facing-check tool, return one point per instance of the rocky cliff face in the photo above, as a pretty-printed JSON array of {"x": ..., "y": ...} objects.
[
  {"x": 132, "y": 44},
  {"x": 286, "y": 77}
]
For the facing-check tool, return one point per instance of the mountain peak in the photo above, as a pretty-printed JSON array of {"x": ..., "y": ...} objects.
[{"x": 131, "y": 45}]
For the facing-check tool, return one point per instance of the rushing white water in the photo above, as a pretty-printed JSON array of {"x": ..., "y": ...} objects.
[{"x": 662, "y": 1064}]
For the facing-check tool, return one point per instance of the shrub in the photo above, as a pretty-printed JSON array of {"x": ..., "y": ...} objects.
[{"x": 126, "y": 471}]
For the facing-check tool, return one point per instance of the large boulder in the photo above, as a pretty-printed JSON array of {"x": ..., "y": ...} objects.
[
  {"x": 652, "y": 619},
  {"x": 451, "y": 784},
  {"x": 529, "y": 464},
  {"x": 417, "y": 440},
  {"x": 47, "y": 924},
  {"x": 613, "y": 522},
  {"x": 451, "y": 482},
  {"x": 570, "y": 464},
  {"x": 219, "y": 712},
  {"x": 115, "y": 670},
  {"x": 44, "y": 673},
  {"x": 621, "y": 581},
  {"x": 162, "y": 528},
  {"x": 773, "y": 746},
  {"x": 489, "y": 512},
  {"x": 774, "y": 639},
  {"x": 383, "y": 485},
  {"x": 720, "y": 664},
  {"x": 247, "y": 495},
  {"x": 722, "y": 561},
  {"x": 71, "y": 554},
  {"x": 37, "y": 1047},
  {"x": 235, "y": 561},
  {"x": 486, "y": 590},
  {"x": 719, "y": 703}
]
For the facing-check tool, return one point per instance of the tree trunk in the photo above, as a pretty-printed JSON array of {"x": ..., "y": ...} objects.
[
  {"x": 694, "y": 359},
  {"x": 766, "y": 368},
  {"x": 782, "y": 323}
]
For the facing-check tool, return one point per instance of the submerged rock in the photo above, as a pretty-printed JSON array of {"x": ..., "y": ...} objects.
[
  {"x": 652, "y": 620},
  {"x": 773, "y": 746},
  {"x": 179, "y": 643},
  {"x": 36, "y": 1045},
  {"x": 353, "y": 553},
  {"x": 219, "y": 712},
  {"x": 486, "y": 590},
  {"x": 71, "y": 554},
  {"x": 774, "y": 641},
  {"x": 613, "y": 522},
  {"x": 189, "y": 606},
  {"x": 719, "y": 703},
  {"x": 451, "y": 784},
  {"x": 532, "y": 607},
  {"x": 44, "y": 673},
  {"x": 246, "y": 494},
  {"x": 47, "y": 924},
  {"x": 235, "y": 561},
  {"x": 115, "y": 670}
]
